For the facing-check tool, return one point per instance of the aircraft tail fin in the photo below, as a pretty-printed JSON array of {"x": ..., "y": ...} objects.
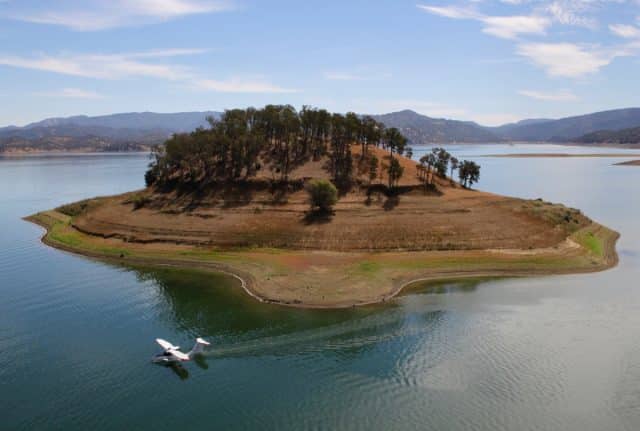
[{"x": 198, "y": 347}]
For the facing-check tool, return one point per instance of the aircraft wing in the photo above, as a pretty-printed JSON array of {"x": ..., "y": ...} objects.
[
  {"x": 166, "y": 345},
  {"x": 178, "y": 354}
]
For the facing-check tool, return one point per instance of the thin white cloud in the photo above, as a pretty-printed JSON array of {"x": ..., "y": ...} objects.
[
  {"x": 625, "y": 31},
  {"x": 573, "y": 12},
  {"x": 137, "y": 65},
  {"x": 94, "y": 15},
  {"x": 559, "y": 96},
  {"x": 509, "y": 27},
  {"x": 72, "y": 93},
  {"x": 567, "y": 59},
  {"x": 98, "y": 66},
  {"x": 454, "y": 12},
  {"x": 557, "y": 58},
  {"x": 506, "y": 27}
]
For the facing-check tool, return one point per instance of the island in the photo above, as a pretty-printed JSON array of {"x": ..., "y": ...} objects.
[{"x": 313, "y": 209}]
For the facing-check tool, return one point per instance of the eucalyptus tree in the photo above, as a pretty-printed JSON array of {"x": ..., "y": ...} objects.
[
  {"x": 469, "y": 173},
  {"x": 373, "y": 168},
  {"x": 372, "y": 133},
  {"x": 454, "y": 166},
  {"x": 395, "y": 141},
  {"x": 342, "y": 132},
  {"x": 442, "y": 157},
  {"x": 428, "y": 161},
  {"x": 242, "y": 141},
  {"x": 289, "y": 131},
  {"x": 322, "y": 130},
  {"x": 395, "y": 172},
  {"x": 408, "y": 152}
]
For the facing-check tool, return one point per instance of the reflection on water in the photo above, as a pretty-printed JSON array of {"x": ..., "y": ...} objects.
[
  {"x": 543, "y": 353},
  {"x": 446, "y": 286},
  {"x": 200, "y": 303}
]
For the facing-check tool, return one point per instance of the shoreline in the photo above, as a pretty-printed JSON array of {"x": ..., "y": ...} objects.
[
  {"x": 68, "y": 153},
  {"x": 635, "y": 162},
  {"x": 20, "y": 152},
  {"x": 270, "y": 277},
  {"x": 561, "y": 155}
]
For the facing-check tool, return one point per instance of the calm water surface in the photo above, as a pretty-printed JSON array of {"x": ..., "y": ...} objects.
[{"x": 545, "y": 353}]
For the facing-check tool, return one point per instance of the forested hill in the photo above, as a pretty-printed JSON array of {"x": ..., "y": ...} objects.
[
  {"x": 624, "y": 136},
  {"x": 421, "y": 129}
]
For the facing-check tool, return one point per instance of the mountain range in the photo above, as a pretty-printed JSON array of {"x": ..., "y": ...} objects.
[
  {"x": 140, "y": 131},
  {"x": 624, "y": 136},
  {"x": 136, "y": 131}
]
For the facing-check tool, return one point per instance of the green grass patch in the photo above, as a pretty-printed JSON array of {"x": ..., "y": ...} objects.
[
  {"x": 368, "y": 267},
  {"x": 61, "y": 233},
  {"x": 76, "y": 208},
  {"x": 591, "y": 242}
]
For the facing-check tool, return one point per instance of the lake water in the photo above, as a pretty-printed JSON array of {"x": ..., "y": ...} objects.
[{"x": 548, "y": 353}]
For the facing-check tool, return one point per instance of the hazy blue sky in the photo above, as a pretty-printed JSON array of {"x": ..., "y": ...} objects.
[{"x": 487, "y": 60}]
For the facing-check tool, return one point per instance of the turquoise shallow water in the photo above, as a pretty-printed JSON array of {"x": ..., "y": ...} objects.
[{"x": 543, "y": 353}]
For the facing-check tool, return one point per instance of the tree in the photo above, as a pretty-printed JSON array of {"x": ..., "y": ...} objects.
[
  {"x": 469, "y": 173},
  {"x": 408, "y": 152},
  {"x": 454, "y": 166},
  {"x": 428, "y": 161},
  {"x": 442, "y": 158},
  {"x": 373, "y": 168},
  {"x": 395, "y": 172},
  {"x": 322, "y": 195},
  {"x": 395, "y": 141},
  {"x": 371, "y": 134},
  {"x": 276, "y": 138}
]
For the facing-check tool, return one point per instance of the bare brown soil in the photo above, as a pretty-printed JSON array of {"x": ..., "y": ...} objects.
[{"x": 449, "y": 218}]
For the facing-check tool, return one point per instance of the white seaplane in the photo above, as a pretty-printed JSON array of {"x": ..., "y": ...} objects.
[{"x": 172, "y": 354}]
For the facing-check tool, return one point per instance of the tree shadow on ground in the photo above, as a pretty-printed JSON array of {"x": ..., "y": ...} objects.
[
  {"x": 318, "y": 217},
  {"x": 235, "y": 196},
  {"x": 391, "y": 202},
  {"x": 431, "y": 190}
]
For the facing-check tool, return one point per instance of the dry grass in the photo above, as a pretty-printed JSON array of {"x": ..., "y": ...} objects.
[{"x": 451, "y": 218}]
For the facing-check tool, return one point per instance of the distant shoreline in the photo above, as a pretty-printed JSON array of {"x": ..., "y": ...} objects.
[
  {"x": 628, "y": 163},
  {"x": 18, "y": 154},
  {"x": 561, "y": 155},
  {"x": 13, "y": 152}
]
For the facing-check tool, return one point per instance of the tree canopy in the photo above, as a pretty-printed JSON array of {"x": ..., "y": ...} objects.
[
  {"x": 273, "y": 140},
  {"x": 322, "y": 195},
  {"x": 468, "y": 172}
]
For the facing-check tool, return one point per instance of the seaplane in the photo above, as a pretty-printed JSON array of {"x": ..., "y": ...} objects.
[{"x": 172, "y": 355}]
